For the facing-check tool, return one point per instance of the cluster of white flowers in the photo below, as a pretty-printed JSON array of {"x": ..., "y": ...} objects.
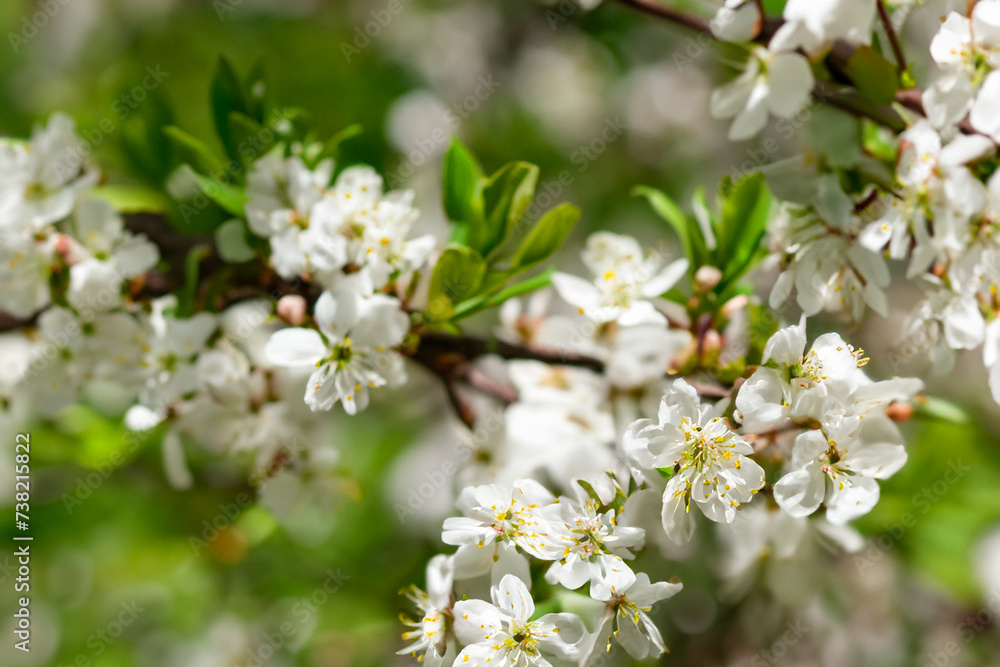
[
  {"x": 778, "y": 79},
  {"x": 618, "y": 424},
  {"x": 66, "y": 253},
  {"x": 583, "y": 541},
  {"x": 351, "y": 239},
  {"x": 942, "y": 216},
  {"x": 345, "y": 236},
  {"x": 815, "y": 410},
  {"x": 51, "y": 226}
]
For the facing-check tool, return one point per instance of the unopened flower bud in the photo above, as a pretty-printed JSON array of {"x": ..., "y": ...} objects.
[
  {"x": 292, "y": 309},
  {"x": 900, "y": 412},
  {"x": 707, "y": 277},
  {"x": 734, "y": 305}
]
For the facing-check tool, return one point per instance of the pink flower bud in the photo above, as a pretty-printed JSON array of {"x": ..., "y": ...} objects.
[{"x": 292, "y": 309}]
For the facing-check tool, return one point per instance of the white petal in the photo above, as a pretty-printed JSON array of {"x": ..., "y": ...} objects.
[
  {"x": 513, "y": 597},
  {"x": 295, "y": 347},
  {"x": 800, "y": 492},
  {"x": 791, "y": 81}
]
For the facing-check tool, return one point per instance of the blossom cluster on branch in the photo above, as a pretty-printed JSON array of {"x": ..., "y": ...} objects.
[{"x": 650, "y": 401}]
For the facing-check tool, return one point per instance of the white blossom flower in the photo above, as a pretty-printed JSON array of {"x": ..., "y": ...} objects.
[
  {"x": 25, "y": 269},
  {"x": 586, "y": 541},
  {"x": 323, "y": 230},
  {"x": 433, "y": 644},
  {"x": 707, "y": 463},
  {"x": 560, "y": 425},
  {"x": 799, "y": 380},
  {"x": 624, "y": 280},
  {"x": 826, "y": 265},
  {"x": 103, "y": 255},
  {"x": 171, "y": 346},
  {"x": 774, "y": 82},
  {"x": 737, "y": 21},
  {"x": 282, "y": 200},
  {"x": 966, "y": 49},
  {"x": 352, "y": 350},
  {"x": 628, "y": 599},
  {"x": 496, "y": 520},
  {"x": 810, "y": 24},
  {"x": 503, "y": 633},
  {"x": 40, "y": 180},
  {"x": 839, "y": 467}
]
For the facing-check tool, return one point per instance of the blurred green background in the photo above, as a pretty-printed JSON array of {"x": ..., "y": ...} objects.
[{"x": 127, "y": 571}]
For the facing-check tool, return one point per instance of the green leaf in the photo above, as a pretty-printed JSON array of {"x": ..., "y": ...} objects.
[
  {"x": 875, "y": 77},
  {"x": 195, "y": 152},
  {"x": 133, "y": 198},
  {"x": 742, "y": 227},
  {"x": 457, "y": 276},
  {"x": 462, "y": 185},
  {"x": 473, "y": 306},
  {"x": 231, "y": 242},
  {"x": 331, "y": 149},
  {"x": 256, "y": 92},
  {"x": 507, "y": 195},
  {"x": 252, "y": 140},
  {"x": 687, "y": 231},
  {"x": 232, "y": 199},
  {"x": 546, "y": 236},
  {"x": 938, "y": 409},
  {"x": 226, "y": 97},
  {"x": 148, "y": 151}
]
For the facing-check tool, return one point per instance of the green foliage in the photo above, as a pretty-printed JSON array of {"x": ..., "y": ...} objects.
[
  {"x": 237, "y": 106},
  {"x": 875, "y": 78},
  {"x": 488, "y": 212},
  {"x": 457, "y": 276},
  {"x": 147, "y": 151},
  {"x": 728, "y": 238}
]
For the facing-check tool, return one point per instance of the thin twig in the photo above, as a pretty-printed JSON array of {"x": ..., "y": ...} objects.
[
  {"x": 484, "y": 383},
  {"x": 685, "y": 19},
  {"x": 462, "y": 409},
  {"x": 897, "y": 48}
]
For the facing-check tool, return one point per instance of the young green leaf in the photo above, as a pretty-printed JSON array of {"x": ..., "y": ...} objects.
[
  {"x": 462, "y": 185},
  {"x": 230, "y": 198},
  {"x": 743, "y": 223},
  {"x": 875, "y": 77},
  {"x": 251, "y": 139},
  {"x": 194, "y": 151},
  {"x": 133, "y": 198},
  {"x": 687, "y": 230},
  {"x": 457, "y": 277},
  {"x": 331, "y": 149},
  {"x": 507, "y": 195},
  {"x": 546, "y": 236},
  {"x": 226, "y": 97},
  {"x": 255, "y": 92}
]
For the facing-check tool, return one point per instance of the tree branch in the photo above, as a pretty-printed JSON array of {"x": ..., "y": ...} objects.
[
  {"x": 692, "y": 21},
  {"x": 897, "y": 48}
]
